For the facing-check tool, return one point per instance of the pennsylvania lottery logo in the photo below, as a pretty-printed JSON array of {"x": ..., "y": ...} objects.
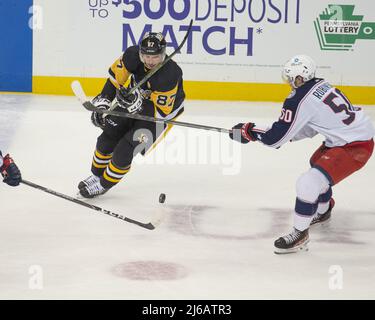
[{"x": 338, "y": 28}]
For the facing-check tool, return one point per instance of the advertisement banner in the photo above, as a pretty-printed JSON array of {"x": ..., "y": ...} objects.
[{"x": 231, "y": 41}]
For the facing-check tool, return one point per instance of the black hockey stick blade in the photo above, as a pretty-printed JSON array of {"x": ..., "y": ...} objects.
[{"x": 149, "y": 226}]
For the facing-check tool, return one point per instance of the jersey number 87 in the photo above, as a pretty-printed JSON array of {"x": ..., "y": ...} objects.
[{"x": 162, "y": 100}]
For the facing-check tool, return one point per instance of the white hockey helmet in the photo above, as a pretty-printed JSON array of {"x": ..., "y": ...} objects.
[{"x": 300, "y": 65}]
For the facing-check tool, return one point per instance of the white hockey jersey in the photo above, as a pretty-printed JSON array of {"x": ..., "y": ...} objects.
[{"x": 317, "y": 107}]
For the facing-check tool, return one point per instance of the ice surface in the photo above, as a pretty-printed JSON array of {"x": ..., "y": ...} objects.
[{"x": 226, "y": 204}]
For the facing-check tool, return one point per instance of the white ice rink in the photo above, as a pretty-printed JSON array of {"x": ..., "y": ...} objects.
[{"x": 226, "y": 204}]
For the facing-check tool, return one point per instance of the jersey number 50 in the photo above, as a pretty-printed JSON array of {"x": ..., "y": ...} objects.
[
  {"x": 344, "y": 106},
  {"x": 286, "y": 115}
]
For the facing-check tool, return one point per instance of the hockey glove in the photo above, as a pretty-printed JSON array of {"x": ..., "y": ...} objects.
[
  {"x": 10, "y": 172},
  {"x": 100, "y": 102},
  {"x": 242, "y": 132},
  {"x": 131, "y": 103}
]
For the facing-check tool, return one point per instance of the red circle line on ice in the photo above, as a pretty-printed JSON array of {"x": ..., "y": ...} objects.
[{"x": 150, "y": 270}]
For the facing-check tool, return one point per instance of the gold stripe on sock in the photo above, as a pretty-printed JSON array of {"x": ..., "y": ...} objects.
[
  {"x": 102, "y": 156},
  {"x": 99, "y": 166},
  {"x": 108, "y": 178},
  {"x": 113, "y": 168}
]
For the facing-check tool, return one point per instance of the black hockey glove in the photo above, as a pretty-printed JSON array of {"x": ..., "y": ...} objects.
[
  {"x": 100, "y": 102},
  {"x": 10, "y": 172},
  {"x": 131, "y": 103},
  {"x": 242, "y": 132}
]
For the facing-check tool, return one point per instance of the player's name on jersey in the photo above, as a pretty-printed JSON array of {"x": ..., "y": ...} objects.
[{"x": 320, "y": 91}]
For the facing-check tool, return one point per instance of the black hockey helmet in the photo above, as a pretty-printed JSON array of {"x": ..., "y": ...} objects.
[{"x": 153, "y": 43}]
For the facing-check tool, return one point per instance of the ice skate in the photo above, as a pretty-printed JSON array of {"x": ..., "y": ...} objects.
[
  {"x": 93, "y": 190},
  {"x": 88, "y": 181},
  {"x": 324, "y": 217},
  {"x": 292, "y": 242}
]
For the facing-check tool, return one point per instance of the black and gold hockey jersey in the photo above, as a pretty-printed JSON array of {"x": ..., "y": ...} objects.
[{"x": 164, "y": 89}]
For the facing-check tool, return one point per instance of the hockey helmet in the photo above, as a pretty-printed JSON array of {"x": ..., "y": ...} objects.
[
  {"x": 300, "y": 65},
  {"x": 153, "y": 43}
]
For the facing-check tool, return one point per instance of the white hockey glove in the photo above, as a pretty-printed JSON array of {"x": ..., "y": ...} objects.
[
  {"x": 132, "y": 103},
  {"x": 100, "y": 102}
]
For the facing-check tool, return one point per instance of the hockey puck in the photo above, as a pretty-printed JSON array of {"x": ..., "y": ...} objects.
[{"x": 162, "y": 198}]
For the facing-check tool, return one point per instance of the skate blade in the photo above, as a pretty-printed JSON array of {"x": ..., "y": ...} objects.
[
  {"x": 301, "y": 247},
  {"x": 321, "y": 224},
  {"x": 80, "y": 197}
]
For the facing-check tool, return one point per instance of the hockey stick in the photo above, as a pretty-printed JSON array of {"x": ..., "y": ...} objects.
[
  {"x": 80, "y": 94},
  {"x": 149, "y": 226},
  {"x": 154, "y": 70}
]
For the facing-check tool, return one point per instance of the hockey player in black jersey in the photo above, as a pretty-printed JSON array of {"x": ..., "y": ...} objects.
[
  {"x": 162, "y": 96},
  {"x": 9, "y": 170}
]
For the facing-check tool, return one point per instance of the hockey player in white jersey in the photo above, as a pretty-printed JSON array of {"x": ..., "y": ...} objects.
[
  {"x": 9, "y": 170},
  {"x": 314, "y": 106}
]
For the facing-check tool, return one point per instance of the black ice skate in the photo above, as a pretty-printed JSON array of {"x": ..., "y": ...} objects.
[
  {"x": 324, "y": 217},
  {"x": 93, "y": 179},
  {"x": 93, "y": 190},
  {"x": 292, "y": 242}
]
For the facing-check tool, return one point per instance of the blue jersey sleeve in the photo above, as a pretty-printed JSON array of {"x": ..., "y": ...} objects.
[
  {"x": 295, "y": 115},
  {"x": 275, "y": 135}
]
